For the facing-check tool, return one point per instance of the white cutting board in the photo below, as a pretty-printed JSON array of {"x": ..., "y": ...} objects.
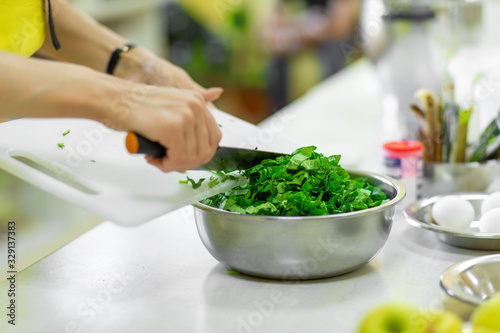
[{"x": 95, "y": 171}]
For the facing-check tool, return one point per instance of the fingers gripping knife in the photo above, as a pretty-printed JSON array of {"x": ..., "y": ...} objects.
[{"x": 225, "y": 158}]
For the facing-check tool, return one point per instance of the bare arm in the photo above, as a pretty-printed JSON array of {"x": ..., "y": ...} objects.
[
  {"x": 156, "y": 99},
  {"x": 42, "y": 88},
  {"x": 177, "y": 118},
  {"x": 86, "y": 42},
  {"x": 83, "y": 40}
]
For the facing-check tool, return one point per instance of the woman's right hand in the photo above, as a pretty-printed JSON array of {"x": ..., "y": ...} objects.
[{"x": 178, "y": 119}]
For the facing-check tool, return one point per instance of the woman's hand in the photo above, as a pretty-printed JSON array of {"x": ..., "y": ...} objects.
[
  {"x": 173, "y": 111},
  {"x": 142, "y": 66},
  {"x": 176, "y": 118}
]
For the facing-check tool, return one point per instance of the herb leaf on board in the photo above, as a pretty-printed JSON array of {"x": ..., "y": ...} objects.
[{"x": 194, "y": 184}]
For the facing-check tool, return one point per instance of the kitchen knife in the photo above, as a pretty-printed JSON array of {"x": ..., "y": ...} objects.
[{"x": 225, "y": 158}]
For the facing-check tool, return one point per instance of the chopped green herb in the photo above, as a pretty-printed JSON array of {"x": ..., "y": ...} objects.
[
  {"x": 220, "y": 125},
  {"x": 232, "y": 272},
  {"x": 301, "y": 184},
  {"x": 61, "y": 145},
  {"x": 213, "y": 181},
  {"x": 66, "y": 133},
  {"x": 228, "y": 177},
  {"x": 192, "y": 181},
  {"x": 234, "y": 175},
  {"x": 256, "y": 148}
]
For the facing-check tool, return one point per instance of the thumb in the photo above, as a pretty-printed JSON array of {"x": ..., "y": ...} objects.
[{"x": 211, "y": 94}]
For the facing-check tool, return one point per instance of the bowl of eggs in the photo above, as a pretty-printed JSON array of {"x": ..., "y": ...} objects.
[{"x": 469, "y": 220}]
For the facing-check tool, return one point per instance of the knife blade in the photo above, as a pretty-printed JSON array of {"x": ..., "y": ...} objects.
[{"x": 225, "y": 158}]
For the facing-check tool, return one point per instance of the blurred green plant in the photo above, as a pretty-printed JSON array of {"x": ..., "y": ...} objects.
[{"x": 227, "y": 53}]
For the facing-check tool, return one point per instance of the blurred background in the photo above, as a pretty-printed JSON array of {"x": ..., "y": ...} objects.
[{"x": 264, "y": 53}]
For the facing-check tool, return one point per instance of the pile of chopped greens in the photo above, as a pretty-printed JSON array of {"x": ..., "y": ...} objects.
[{"x": 301, "y": 184}]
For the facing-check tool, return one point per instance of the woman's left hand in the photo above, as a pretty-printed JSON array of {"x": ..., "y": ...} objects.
[{"x": 142, "y": 66}]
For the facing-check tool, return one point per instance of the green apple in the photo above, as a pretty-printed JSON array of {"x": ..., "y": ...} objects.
[
  {"x": 487, "y": 315},
  {"x": 393, "y": 318},
  {"x": 443, "y": 322}
]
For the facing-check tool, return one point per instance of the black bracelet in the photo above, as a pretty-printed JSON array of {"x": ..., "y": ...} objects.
[{"x": 115, "y": 56}]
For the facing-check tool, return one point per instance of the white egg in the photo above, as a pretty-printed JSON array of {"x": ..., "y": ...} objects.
[
  {"x": 451, "y": 211},
  {"x": 492, "y": 201},
  {"x": 490, "y": 221}
]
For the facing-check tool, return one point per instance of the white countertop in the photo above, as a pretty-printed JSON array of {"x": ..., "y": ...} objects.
[{"x": 158, "y": 277}]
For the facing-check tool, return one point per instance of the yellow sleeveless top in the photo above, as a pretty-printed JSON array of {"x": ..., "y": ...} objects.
[{"x": 22, "y": 26}]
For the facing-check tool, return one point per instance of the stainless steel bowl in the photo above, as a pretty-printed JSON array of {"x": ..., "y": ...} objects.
[
  {"x": 473, "y": 280},
  {"x": 444, "y": 178},
  {"x": 298, "y": 247},
  {"x": 419, "y": 214}
]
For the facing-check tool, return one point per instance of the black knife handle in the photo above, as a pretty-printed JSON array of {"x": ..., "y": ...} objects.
[{"x": 137, "y": 144}]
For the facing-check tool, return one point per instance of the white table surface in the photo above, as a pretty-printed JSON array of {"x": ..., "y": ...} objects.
[{"x": 158, "y": 277}]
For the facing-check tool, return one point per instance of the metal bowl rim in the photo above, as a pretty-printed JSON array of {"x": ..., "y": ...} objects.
[
  {"x": 452, "y": 272},
  {"x": 400, "y": 194},
  {"x": 411, "y": 219}
]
